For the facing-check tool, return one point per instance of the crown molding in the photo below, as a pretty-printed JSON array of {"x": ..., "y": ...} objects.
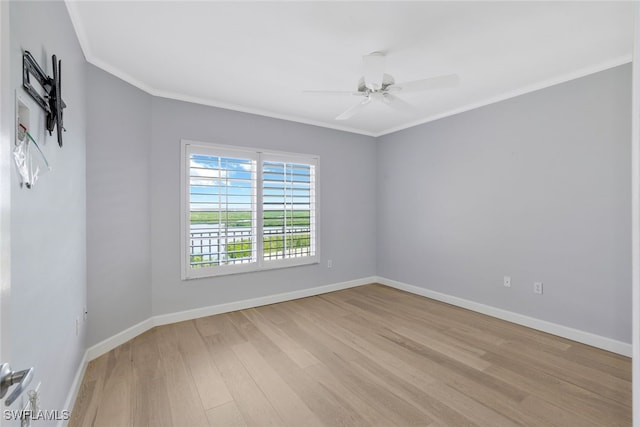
[{"x": 74, "y": 14}]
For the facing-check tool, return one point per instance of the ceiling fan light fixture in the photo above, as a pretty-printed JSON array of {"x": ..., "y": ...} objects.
[
  {"x": 373, "y": 65},
  {"x": 376, "y": 84}
]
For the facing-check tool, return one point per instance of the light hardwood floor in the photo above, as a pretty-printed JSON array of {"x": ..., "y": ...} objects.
[{"x": 367, "y": 356}]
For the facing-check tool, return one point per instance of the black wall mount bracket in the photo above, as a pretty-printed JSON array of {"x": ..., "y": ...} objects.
[{"x": 51, "y": 101}]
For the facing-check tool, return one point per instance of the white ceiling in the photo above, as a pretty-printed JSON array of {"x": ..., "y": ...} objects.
[{"x": 259, "y": 57}]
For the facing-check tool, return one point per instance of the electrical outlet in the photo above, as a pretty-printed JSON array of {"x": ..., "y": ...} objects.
[
  {"x": 537, "y": 288},
  {"x": 507, "y": 282},
  {"x": 329, "y": 263}
]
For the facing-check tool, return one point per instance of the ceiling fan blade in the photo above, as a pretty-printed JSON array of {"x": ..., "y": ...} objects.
[
  {"x": 373, "y": 70},
  {"x": 439, "y": 82},
  {"x": 331, "y": 92},
  {"x": 398, "y": 104},
  {"x": 352, "y": 111}
]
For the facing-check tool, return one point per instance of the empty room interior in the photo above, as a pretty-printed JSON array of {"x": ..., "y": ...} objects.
[{"x": 319, "y": 213}]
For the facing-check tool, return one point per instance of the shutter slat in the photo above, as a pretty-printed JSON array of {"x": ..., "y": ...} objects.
[{"x": 221, "y": 231}]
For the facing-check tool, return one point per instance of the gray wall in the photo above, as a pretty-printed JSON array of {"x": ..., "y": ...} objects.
[
  {"x": 536, "y": 187},
  {"x": 133, "y": 204},
  {"x": 48, "y": 240},
  {"x": 347, "y": 198},
  {"x": 118, "y": 253}
]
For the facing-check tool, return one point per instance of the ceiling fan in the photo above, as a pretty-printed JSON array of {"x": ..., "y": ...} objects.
[{"x": 376, "y": 84}]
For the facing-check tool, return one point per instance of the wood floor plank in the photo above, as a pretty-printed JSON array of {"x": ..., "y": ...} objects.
[
  {"x": 606, "y": 362},
  {"x": 321, "y": 306},
  {"x": 446, "y": 316},
  {"x": 84, "y": 400},
  {"x": 324, "y": 344},
  {"x": 451, "y": 371},
  {"x": 430, "y": 409},
  {"x": 158, "y": 410},
  {"x": 271, "y": 313},
  {"x": 89, "y": 394},
  {"x": 372, "y": 414},
  {"x": 474, "y": 337},
  {"x": 603, "y": 383},
  {"x": 573, "y": 399},
  {"x": 210, "y": 325},
  {"x": 484, "y": 389},
  {"x": 182, "y": 391},
  {"x": 256, "y": 410},
  {"x": 553, "y": 415},
  {"x": 152, "y": 407},
  {"x": 211, "y": 388},
  {"x": 364, "y": 356},
  {"x": 331, "y": 409},
  {"x": 115, "y": 406},
  {"x": 226, "y": 415},
  {"x": 458, "y": 354},
  {"x": 436, "y": 339},
  {"x": 230, "y": 333},
  {"x": 382, "y": 351},
  {"x": 285, "y": 401},
  {"x": 295, "y": 351}
]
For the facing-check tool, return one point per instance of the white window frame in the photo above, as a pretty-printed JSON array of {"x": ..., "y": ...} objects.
[{"x": 259, "y": 156}]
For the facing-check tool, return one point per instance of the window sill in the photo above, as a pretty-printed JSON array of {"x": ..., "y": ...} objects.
[{"x": 228, "y": 270}]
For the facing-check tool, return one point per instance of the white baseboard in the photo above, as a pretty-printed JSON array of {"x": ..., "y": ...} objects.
[
  {"x": 75, "y": 388},
  {"x": 588, "y": 338},
  {"x": 196, "y": 313},
  {"x": 120, "y": 338},
  {"x": 135, "y": 330},
  {"x": 164, "y": 319}
]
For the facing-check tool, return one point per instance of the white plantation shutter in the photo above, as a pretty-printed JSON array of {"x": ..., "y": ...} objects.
[
  {"x": 288, "y": 201},
  {"x": 221, "y": 210},
  {"x": 245, "y": 210}
]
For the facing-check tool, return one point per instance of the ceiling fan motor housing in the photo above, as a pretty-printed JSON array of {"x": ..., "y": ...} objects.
[{"x": 387, "y": 80}]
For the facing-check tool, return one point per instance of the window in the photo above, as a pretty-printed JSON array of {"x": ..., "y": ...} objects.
[{"x": 246, "y": 210}]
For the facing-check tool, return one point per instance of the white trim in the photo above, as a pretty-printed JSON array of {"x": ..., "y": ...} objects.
[
  {"x": 226, "y": 105},
  {"x": 75, "y": 388},
  {"x": 520, "y": 319},
  {"x": 85, "y": 45},
  {"x": 164, "y": 319},
  {"x": 257, "y": 302},
  {"x": 120, "y": 338},
  {"x": 76, "y": 21},
  {"x": 258, "y": 157},
  {"x": 248, "y": 150},
  {"x": 184, "y": 190},
  {"x": 635, "y": 220},
  {"x": 472, "y": 106},
  {"x": 7, "y": 122},
  {"x": 514, "y": 93}
]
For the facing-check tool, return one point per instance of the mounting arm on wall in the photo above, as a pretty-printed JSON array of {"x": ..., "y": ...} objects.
[{"x": 51, "y": 102}]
